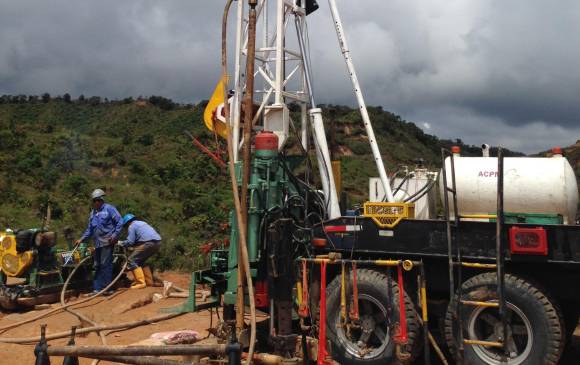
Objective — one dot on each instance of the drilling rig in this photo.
(503, 234)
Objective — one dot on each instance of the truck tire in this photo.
(571, 315)
(536, 334)
(380, 348)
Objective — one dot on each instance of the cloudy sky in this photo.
(500, 72)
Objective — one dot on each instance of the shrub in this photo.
(76, 185)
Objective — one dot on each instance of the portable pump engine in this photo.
(35, 267)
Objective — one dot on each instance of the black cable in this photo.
(420, 193)
(398, 187)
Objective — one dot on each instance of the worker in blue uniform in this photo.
(105, 225)
(146, 242)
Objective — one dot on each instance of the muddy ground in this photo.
(104, 310)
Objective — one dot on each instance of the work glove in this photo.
(113, 240)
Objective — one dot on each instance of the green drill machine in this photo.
(281, 207)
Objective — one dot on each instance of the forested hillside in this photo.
(58, 150)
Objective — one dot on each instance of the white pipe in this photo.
(324, 164)
(304, 126)
(237, 100)
(280, 18)
(264, 45)
(361, 103)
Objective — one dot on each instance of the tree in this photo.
(76, 185)
(95, 100)
(162, 103)
(45, 98)
(66, 97)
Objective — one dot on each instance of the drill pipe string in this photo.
(119, 326)
(237, 203)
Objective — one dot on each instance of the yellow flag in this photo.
(216, 99)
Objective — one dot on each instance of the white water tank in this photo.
(531, 185)
(415, 183)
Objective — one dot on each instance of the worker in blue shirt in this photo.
(146, 242)
(105, 225)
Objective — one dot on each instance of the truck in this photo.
(477, 261)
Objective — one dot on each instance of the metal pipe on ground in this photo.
(117, 350)
(265, 359)
(120, 326)
(140, 360)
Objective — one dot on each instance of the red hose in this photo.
(303, 309)
(354, 314)
(401, 337)
(322, 352)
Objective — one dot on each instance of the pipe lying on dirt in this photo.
(84, 351)
(140, 360)
(265, 359)
(119, 326)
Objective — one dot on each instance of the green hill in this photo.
(57, 150)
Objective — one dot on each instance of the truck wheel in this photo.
(570, 315)
(535, 327)
(372, 342)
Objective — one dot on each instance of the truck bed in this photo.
(427, 238)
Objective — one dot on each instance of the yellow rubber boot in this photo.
(148, 276)
(139, 279)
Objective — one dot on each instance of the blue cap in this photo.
(128, 218)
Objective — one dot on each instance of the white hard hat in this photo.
(97, 194)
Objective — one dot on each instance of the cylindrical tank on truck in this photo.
(541, 185)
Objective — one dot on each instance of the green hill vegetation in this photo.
(56, 150)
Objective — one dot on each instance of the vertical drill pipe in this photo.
(236, 100)
(425, 316)
(236, 198)
(248, 116)
(248, 112)
(499, 252)
(305, 62)
(248, 105)
(234, 353)
(280, 55)
(232, 158)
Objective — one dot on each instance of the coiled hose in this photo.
(65, 307)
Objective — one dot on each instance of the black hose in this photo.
(399, 186)
(421, 192)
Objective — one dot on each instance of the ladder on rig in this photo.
(456, 264)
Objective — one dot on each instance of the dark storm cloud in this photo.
(109, 48)
(484, 71)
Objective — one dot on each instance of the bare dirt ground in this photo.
(103, 311)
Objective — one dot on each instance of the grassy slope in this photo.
(60, 151)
